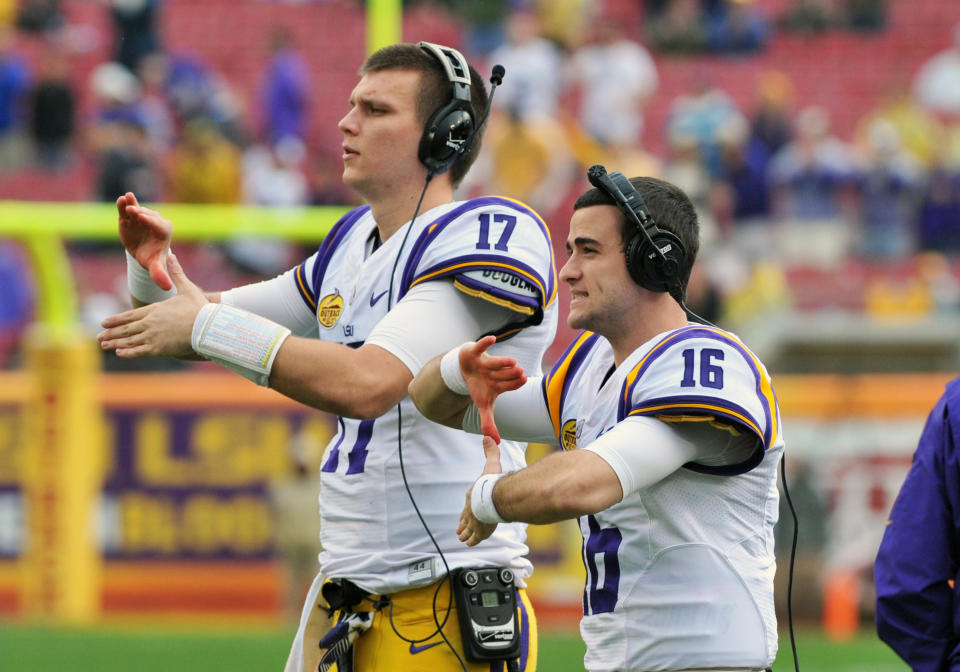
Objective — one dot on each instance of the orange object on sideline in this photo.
(841, 605)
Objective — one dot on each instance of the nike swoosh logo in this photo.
(377, 297)
(417, 649)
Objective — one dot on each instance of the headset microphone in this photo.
(496, 79)
(451, 129)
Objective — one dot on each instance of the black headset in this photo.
(655, 258)
(450, 128)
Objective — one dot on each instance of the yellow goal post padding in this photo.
(42, 226)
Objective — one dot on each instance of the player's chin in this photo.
(577, 320)
(350, 176)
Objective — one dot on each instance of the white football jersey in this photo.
(679, 575)
(492, 248)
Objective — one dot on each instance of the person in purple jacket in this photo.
(918, 607)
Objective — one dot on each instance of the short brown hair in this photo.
(435, 91)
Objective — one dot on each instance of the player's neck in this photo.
(394, 210)
(661, 314)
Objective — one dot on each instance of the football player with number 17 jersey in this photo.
(395, 283)
(488, 248)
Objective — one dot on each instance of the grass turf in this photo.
(26, 648)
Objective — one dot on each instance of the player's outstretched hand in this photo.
(146, 235)
(160, 329)
(470, 530)
(488, 376)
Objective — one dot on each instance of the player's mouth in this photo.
(348, 152)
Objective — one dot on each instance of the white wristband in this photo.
(451, 373)
(141, 286)
(238, 339)
(481, 499)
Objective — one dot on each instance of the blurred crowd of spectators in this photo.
(772, 181)
(161, 123)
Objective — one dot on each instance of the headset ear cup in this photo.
(674, 258)
(633, 255)
(648, 269)
(447, 130)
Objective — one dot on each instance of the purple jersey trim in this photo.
(457, 267)
(688, 333)
(328, 247)
(431, 232)
(720, 409)
(567, 366)
(300, 276)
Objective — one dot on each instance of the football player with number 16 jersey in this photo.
(671, 434)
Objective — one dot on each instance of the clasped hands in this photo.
(487, 376)
(160, 329)
(164, 329)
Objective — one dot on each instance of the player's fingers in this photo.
(125, 317)
(490, 449)
(488, 426)
(499, 361)
(160, 269)
(510, 384)
(149, 214)
(158, 273)
(153, 221)
(127, 330)
(135, 352)
(465, 531)
(179, 277)
(125, 343)
(484, 343)
(505, 373)
(492, 453)
(471, 354)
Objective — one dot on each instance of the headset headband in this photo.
(631, 203)
(655, 257)
(454, 64)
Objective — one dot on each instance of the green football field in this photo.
(246, 649)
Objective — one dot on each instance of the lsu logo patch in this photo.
(329, 309)
(568, 435)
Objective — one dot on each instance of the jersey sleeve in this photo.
(700, 374)
(409, 331)
(495, 249)
(277, 299)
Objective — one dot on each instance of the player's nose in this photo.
(348, 124)
(569, 271)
